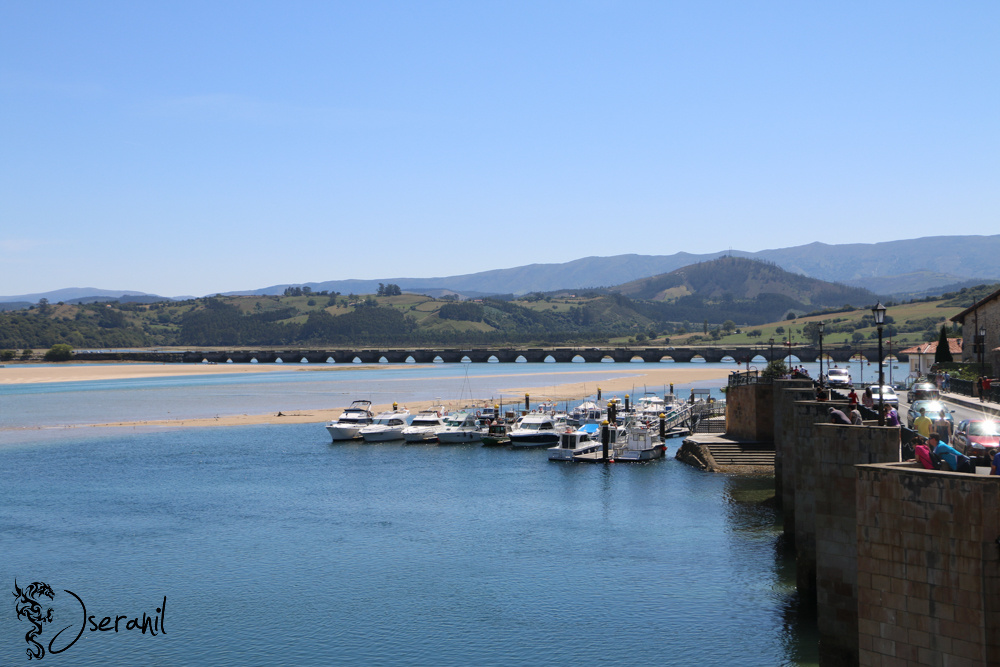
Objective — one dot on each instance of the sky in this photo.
(190, 148)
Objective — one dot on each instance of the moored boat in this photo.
(534, 430)
(351, 421)
(387, 426)
(460, 428)
(424, 427)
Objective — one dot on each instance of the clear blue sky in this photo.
(192, 148)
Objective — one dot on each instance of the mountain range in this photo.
(905, 268)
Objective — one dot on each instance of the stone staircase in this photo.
(730, 453)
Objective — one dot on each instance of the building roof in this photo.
(954, 345)
(960, 318)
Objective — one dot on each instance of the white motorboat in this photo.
(350, 421)
(639, 444)
(572, 443)
(424, 427)
(460, 428)
(386, 426)
(587, 412)
(535, 429)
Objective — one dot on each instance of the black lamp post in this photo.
(771, 342)
(821, 325)
(879, 312)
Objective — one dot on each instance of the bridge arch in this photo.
(578, 360)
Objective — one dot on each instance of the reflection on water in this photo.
(752, 512)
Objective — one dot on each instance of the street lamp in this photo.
(879, 312)
(771, 342)
(821, 325)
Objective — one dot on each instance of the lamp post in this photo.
(879, 312)
(821, 325)
(771, 342)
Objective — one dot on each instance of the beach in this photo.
(620, 378)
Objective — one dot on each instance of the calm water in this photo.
(274, 546)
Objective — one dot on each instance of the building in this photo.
(981, 327)
(922, 356)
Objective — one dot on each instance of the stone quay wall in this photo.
(928, 571)
(831, 473)
(786, 394)
(749, 412)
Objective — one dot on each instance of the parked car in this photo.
(934, 410)
(839, 377)
(889, 396)
(978, 439)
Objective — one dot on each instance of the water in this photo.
(274, 546)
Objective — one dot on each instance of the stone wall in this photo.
(986, 315)
(805, 417)
(786, 394)
(928, 570)
(836, 450)
(749, 412)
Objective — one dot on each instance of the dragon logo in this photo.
(27, 606)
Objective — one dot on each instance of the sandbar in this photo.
(624, 378)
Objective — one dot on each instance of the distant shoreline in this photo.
(620, 379)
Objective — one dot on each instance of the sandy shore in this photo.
(620, 379)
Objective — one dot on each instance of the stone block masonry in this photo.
(831, 471)
(928, 567)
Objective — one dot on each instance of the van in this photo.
(839, 377)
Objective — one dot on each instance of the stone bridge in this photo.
(741, 354)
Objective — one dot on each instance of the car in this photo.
(978, 439)
(923, 391)
(839, 377)
(934, 410)
(889, 396)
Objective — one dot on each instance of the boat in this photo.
(386, 426)
(460, 428)
(424, 427)
(351, 420)
(639, 444)
(497, 434)
(586, 412)
(572, 443)
(535, 429)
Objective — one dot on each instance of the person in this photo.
(942, 426)
(979, 388)
(820, 393)
(891, 416)
(867, 399)
(923, 454)
(923, 423)
(947, 381)
(987, 383)
(995, 464)
(856, 417)
(956, 460)
(852, 398)
(838, 416)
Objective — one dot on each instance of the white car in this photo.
(839, 377)
(889, 396)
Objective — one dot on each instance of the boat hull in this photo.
(341, 432)
(534, 440)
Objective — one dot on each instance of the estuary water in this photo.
(272, 546)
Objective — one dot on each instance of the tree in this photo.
(59, 352)
(811, 331)
(943, 353)
(729, 326)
